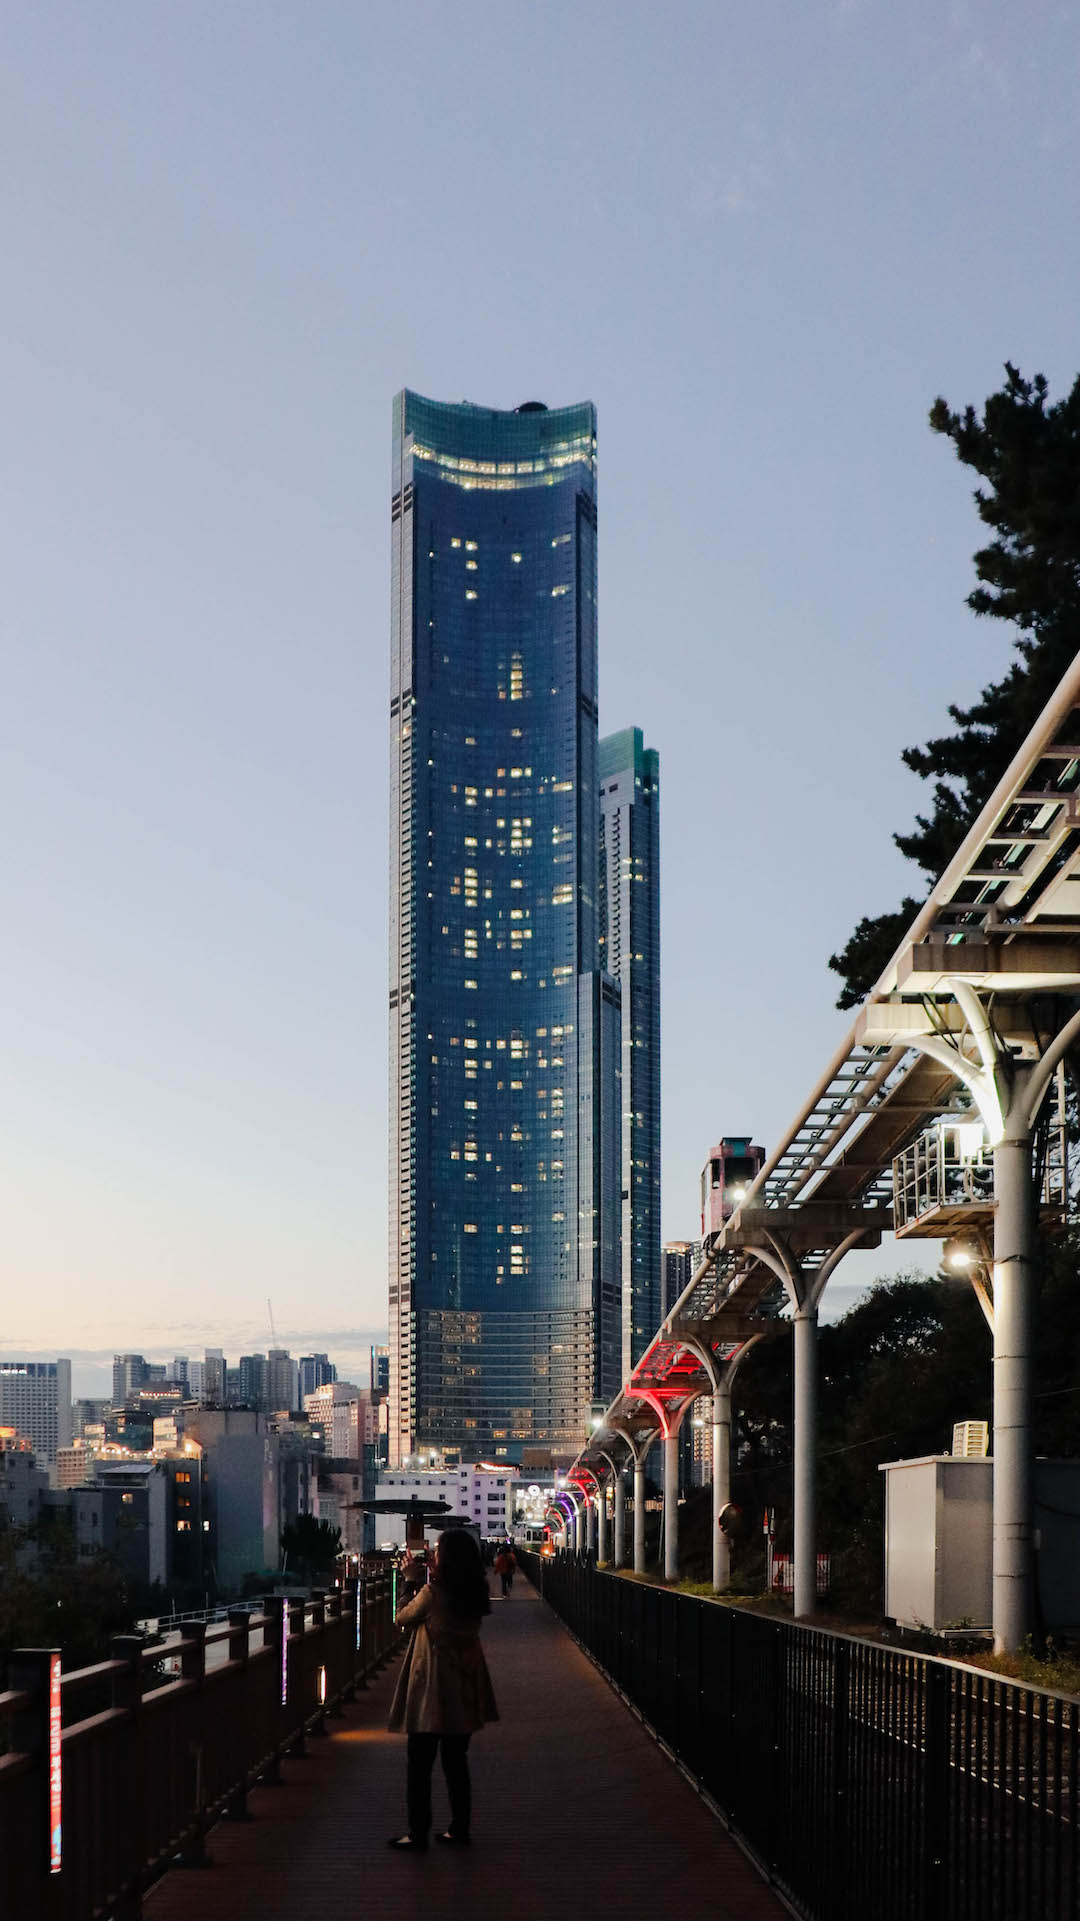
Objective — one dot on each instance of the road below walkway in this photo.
(575, 1811)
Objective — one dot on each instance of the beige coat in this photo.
(444, 1686)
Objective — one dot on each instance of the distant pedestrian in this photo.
(444, 1694)
(505, 1563)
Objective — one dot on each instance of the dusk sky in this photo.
(761, 239)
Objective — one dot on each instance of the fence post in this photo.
(193, 1668)
(239, 1651)
(838, 1867)
(357, 1602)
(318, 1625)
(294, 1614)
(276, 1635)
(936, 1792)
(35, 1733)
(126, 1694)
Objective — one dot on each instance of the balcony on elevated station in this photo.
(943, 1183)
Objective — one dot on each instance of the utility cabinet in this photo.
(939, 1542)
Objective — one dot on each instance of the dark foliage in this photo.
(895, 1373)
(51, 1596)
(1027, 452)
(310, 1547)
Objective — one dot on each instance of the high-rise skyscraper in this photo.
(630, 951)
(505, 1266)
(129, 1374)
(316, 1370)
(35, 1400)
(680, 1263)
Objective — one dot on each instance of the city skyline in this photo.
(763, 250)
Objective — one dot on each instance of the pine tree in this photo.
(1028, 454)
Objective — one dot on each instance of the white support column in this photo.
(577, 1529)
(639, 1515)
(671, 1506)
(805, 1452)
(601, 1523)
(620, 1519)
(590, 1523)
(1014, 1282)
(721, 1482)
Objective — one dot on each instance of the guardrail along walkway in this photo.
(542, 1836)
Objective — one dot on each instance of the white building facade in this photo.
(482, 1494)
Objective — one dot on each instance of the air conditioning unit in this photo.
(970, 1440)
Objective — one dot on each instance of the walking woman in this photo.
(444, 1691)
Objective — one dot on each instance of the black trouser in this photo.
(455, 1763)
(507, 1583)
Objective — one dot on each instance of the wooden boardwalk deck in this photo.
(574, 1809)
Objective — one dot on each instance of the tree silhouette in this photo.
(1027, 452)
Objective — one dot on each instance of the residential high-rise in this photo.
(316, 1370)
(630, 951)
(129, 1373)
(35, 1400)
(504, 1269)
(282, 1381)
(681, 1260)
(254, 1382)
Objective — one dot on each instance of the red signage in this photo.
(55, 1769)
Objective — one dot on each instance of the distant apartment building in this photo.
(126, 1512)
(282, 1382)
(35, 1401)
(254, 1383)
(129, 1373)
(347, 1416)
(681, 1258)
(239, 1454)
(483, 1495)
(341, 1485)
(22, 1482)
(629, 774)
(87, 1413)
(316, 1370)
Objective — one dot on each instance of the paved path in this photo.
(574, 1807)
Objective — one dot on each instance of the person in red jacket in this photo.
(505, 1563)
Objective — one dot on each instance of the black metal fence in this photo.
(109, 1774)
(868, 1781)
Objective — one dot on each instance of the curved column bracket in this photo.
(638, 1449)
(708, 1361)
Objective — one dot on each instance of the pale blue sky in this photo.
(762, 239)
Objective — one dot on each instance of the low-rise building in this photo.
(347, 1415)
(483, 1494)
(22, 1481)
(126, 1512)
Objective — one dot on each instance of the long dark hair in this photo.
(459, 1573)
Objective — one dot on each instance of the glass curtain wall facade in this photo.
(629, 774)
(504, 1272)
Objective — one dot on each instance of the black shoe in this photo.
(406, 1844)
(454, 1840)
